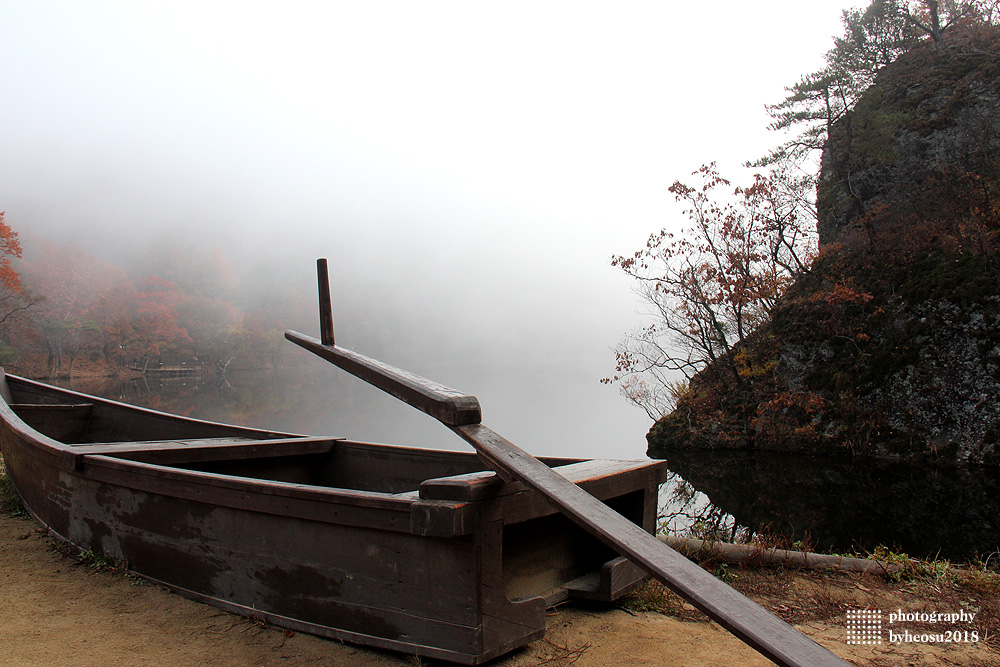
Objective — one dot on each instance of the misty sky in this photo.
(468, 167)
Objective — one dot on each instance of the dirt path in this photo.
(56, 611)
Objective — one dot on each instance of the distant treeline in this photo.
(70, 312)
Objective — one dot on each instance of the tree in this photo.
(156, 320)
(10, 247)
(116, 312)
(69, 281)
(15, 300)
(935, 18)
(15, 316)
(712, 286)
(211, 323)
(872, 38)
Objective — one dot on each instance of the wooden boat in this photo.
(420, 551)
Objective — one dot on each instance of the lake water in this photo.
(832, 505)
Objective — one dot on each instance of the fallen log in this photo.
(755, 554)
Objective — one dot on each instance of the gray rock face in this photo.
(928, 116)
(948, 395)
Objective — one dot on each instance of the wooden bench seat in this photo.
(193, 450)
(65, 422)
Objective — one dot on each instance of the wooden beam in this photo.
(754, 554)
(449, 406)
(746, 619)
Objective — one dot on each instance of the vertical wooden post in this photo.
(325, 306)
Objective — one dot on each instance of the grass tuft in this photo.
(10, 500)
(92, 559)
(653, 596)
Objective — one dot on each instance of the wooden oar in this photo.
(746, 619)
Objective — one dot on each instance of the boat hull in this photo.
(415, 550)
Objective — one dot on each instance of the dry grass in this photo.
(10, 501)
(800, 597)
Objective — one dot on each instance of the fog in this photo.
(468, 168)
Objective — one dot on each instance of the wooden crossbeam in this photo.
(753, 624)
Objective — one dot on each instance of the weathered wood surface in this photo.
(615, 578)
(480, 485)
(325, 305)
(64, 422)
(747, 620)
(166, 452)
(448, 406)
(112, 421)
(754, 554)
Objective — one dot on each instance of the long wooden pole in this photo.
(743, 617)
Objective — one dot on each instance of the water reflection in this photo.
(836, 505)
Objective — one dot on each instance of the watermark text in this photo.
(873, 626)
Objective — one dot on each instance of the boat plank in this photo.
(66, 422)
(138, 445)
(5, 394)
(487, 484)
(208, 449)
(271, 497)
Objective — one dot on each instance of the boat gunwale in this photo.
(130, 473)
(228, 490)
(89, 398)
(274, 496)
(446, 503)
(265, 438)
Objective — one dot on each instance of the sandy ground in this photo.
(57, 611)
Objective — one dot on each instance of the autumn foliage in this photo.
(9, 247)
(85, 311)
(712, 285)
(873, 332)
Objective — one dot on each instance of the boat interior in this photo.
(85, 426)
(101, 427)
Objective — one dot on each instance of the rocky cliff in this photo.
(890, 346)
